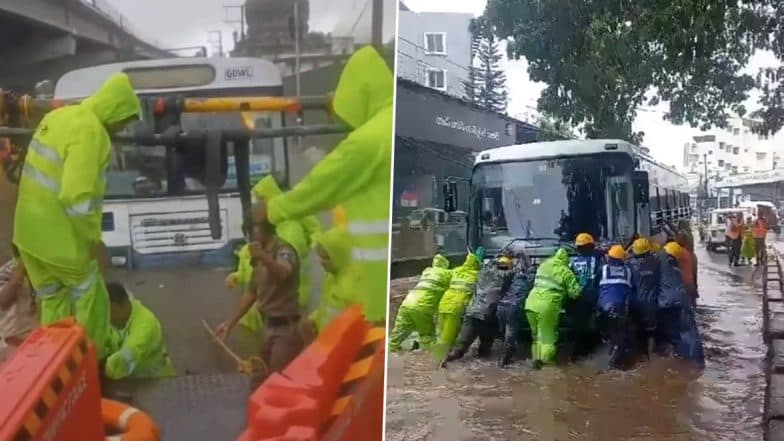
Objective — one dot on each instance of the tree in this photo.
(486, 83)
(602, 60)
(552, 129)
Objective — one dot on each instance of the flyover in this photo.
(42, 39)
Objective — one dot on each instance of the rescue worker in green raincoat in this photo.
(553, 282)
(297, 233)
(356, 175)
(454, 302)
(338, 290)
(240, 278)
(418, 310)
(57, 224)
(138, 348)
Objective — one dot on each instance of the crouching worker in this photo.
(137, 347)
(338, 290)
(18, 312)
(615, 291)
(418, 310)
(480, 318)
(454, 302)
(510, 310)
(553, 282)
(646, 276)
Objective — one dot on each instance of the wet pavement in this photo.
(660, 400)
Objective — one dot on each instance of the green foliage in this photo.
(551, 129)
(602, 60)
(486, 84)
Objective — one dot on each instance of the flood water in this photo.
(660, 400)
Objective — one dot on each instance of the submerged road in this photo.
(474, 400)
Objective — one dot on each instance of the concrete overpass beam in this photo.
(39, 50)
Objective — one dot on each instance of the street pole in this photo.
(297, 64)
(377, 25)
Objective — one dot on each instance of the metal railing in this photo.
(105, 8)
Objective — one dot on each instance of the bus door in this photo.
(619, 198)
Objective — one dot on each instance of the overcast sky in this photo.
(180, 23)
(664, 139)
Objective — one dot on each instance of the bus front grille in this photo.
(176, 232)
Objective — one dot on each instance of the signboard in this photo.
(446, 120)
(765, 177)
(260, 166)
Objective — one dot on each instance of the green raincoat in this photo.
(418, 310)
(138, 350)
(252, 319)
(455, 300)
(339, 290)
(356, 175)
(554, 281)
(297, 233)
(57, 223)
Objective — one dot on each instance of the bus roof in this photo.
(571, 147)
(174, 74)
(553, 149)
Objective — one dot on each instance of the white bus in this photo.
(155, 210)
(543, 194)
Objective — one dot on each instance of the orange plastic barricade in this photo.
(334, 390)
(51, 389)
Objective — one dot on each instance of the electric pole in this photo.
(377, 25)
(235, 21)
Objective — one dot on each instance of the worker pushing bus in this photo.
(638, 304)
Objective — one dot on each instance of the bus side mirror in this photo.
(640, 184)
(450, 196)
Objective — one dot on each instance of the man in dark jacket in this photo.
(480, 316)
(646, 277)
(615, 293)
(587, 266)
(510, 310)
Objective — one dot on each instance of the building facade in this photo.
(731, 151)
(434, 49)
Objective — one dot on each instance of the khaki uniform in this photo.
(18, 321)
(278, 302)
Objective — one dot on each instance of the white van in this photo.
(715, 237)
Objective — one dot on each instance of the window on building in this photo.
(436, 78)
(746, 169)
(721, 163)
(736, 131)
(736, 150)
(721, 146)
(710, 152)
(435, 43)
(694, 147)
(761, 156)
(727, 166)
(734, 169)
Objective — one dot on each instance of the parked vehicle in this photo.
(715, 236)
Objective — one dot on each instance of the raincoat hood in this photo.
(115, 101)
(440, 261)
(366, 86)
(472, 262)
(337, 244)
(267, 188)
(562, 256)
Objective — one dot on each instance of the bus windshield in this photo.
(141, 171)
(551, 201)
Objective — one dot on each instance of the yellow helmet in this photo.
(673, 249)
(655, 246)
(641, 246)
(583, 239)
(504, 261)
(617, 252)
